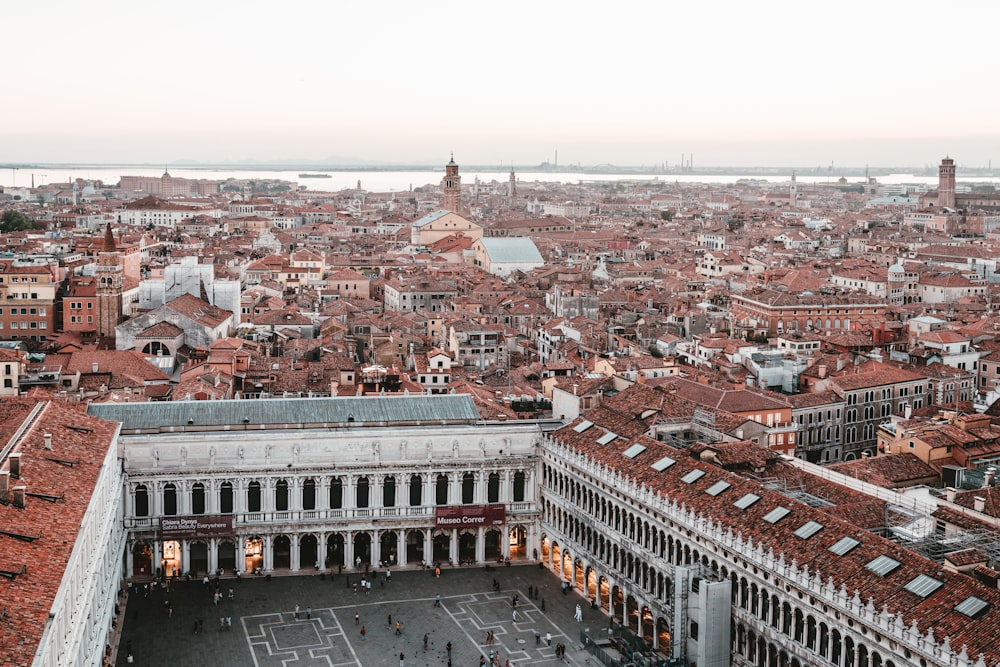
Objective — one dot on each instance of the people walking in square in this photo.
(578, 615)
(363, 633)
(399, 628)
(426, 638)
(437, 600)
(402, 659)
(357, 618)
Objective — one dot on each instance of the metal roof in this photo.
(511, 249)
(341, 411)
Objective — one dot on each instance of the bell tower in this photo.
(451, 186)
(946, 183)
(109, 275)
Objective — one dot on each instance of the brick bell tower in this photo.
(110, 279)
(451, 186)
(946, 183)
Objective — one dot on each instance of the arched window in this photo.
(336, 493)
(141, 500)
(198, 498)
(493, 488)
(518, 487)
(389, 492)
(253, 497)
(468, 488)
(226, 498)
(281, 496)
(361, 492)
(441, 490)
(309, 494)
(416, 491)
(170, 500)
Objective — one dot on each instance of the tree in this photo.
(15, 221)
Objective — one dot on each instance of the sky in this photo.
(723, 83)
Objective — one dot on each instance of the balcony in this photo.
(45, 374)
(311, 517)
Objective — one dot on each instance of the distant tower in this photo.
(109, 286)
(511, 185)
(451, 185)
(793, 192)
(946, 183)
(166, 184)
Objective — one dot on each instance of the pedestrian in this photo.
(578, 615)
(548, 638)
(388, 623)
(447, 648)
(426, 637)
(437, 600)
(437, 572)
(230, 593)
(296, 611)
(222, 623)
(543, 604)
(388, 575)
(309, 612)
(538, 637)
(399, 628)
(357, 562)
(402, 659)
(357, 618)
(363, 633)
(229, 622)
(529, 592)
(515, 616)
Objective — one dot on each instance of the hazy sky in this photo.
(883, 83)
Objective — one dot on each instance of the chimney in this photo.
(48, 440)
(908, 411)
(4, 487)
(978, 503)
(19, 495)
(93, 367)
(821, 371)
(950, 493)
(15, 465)
(989, 477)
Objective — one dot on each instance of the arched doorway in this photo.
(556, 560)
(415, 546)
(142, 559)
(198, 553)
(604, 598)
(227, 555)
(309, 552)
(442, 547)
(281, 549)
(546, 547)
(362, 550)
(518, 543)
(387, 549)
(467, 547)
(663, 635)
(335, 550)
(253, 554)
(491, 547)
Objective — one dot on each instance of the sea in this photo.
(405, 181)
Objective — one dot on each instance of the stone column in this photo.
(349, 548)
(428, 545)
(321, 550)
(401, 548)
(295, 562)
(185, 557)
(453, 546)
(213, 555)
(267, 553)
(241, 553)
(480, 545)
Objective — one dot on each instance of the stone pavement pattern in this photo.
(266, 633)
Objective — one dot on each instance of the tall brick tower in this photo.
(109, 276)
(946, 183)
(451, 185)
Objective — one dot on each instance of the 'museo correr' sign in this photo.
(183, 527)
(459, 516)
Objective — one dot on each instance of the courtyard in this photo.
(312, 619)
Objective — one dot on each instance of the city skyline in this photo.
(732, 86)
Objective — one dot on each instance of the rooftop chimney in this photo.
(19, 496)
(93, 367)
(989, 477)
(4, 487)
(48, 441)
(978, 503)
(950, 493)
(15, 465)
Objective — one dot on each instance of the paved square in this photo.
(266, 631)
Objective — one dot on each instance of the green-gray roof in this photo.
(255, 413)
(515, 249)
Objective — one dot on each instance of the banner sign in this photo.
(458, 516)
(186, 527)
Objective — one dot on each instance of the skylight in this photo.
(717, 488)
(808, 529)
(693, 476)
(924, 585)
(844, 545)
(663, 464)
(583, 426)
(883, 565)
(777, 514)
(634, 451)
(972, 606)
(606, 438)
(746, 501)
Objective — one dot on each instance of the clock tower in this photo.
(451, 186)
(110, 279)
